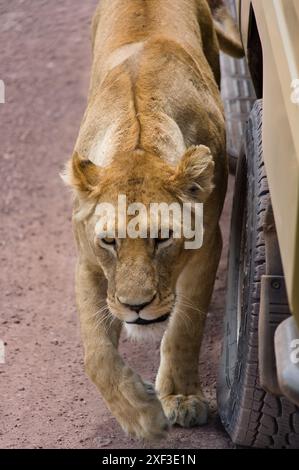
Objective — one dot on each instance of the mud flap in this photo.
(287, 359)
(274, 309)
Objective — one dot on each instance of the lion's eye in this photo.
(108, 241)
(160, 239)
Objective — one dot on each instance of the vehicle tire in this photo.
(251, 416)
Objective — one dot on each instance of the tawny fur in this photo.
(153, 130)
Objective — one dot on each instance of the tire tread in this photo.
(255, 417)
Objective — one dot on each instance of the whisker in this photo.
(184, 299)
(187, 320)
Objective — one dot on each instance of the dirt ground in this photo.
(46, 399)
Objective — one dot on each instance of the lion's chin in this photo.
(153, 332)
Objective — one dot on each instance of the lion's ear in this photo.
(81, 174)
(193, 178)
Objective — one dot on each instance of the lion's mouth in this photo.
(142, 321)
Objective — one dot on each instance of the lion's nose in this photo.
(136, 307)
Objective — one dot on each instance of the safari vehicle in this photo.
(258, 384)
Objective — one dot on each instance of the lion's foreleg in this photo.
(133, 402)
(178, 381)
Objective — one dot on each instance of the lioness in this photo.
(154, 131)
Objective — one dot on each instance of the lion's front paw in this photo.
(187, 411)
(149, 424)
(140, 412)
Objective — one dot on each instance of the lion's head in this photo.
(141, 273)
